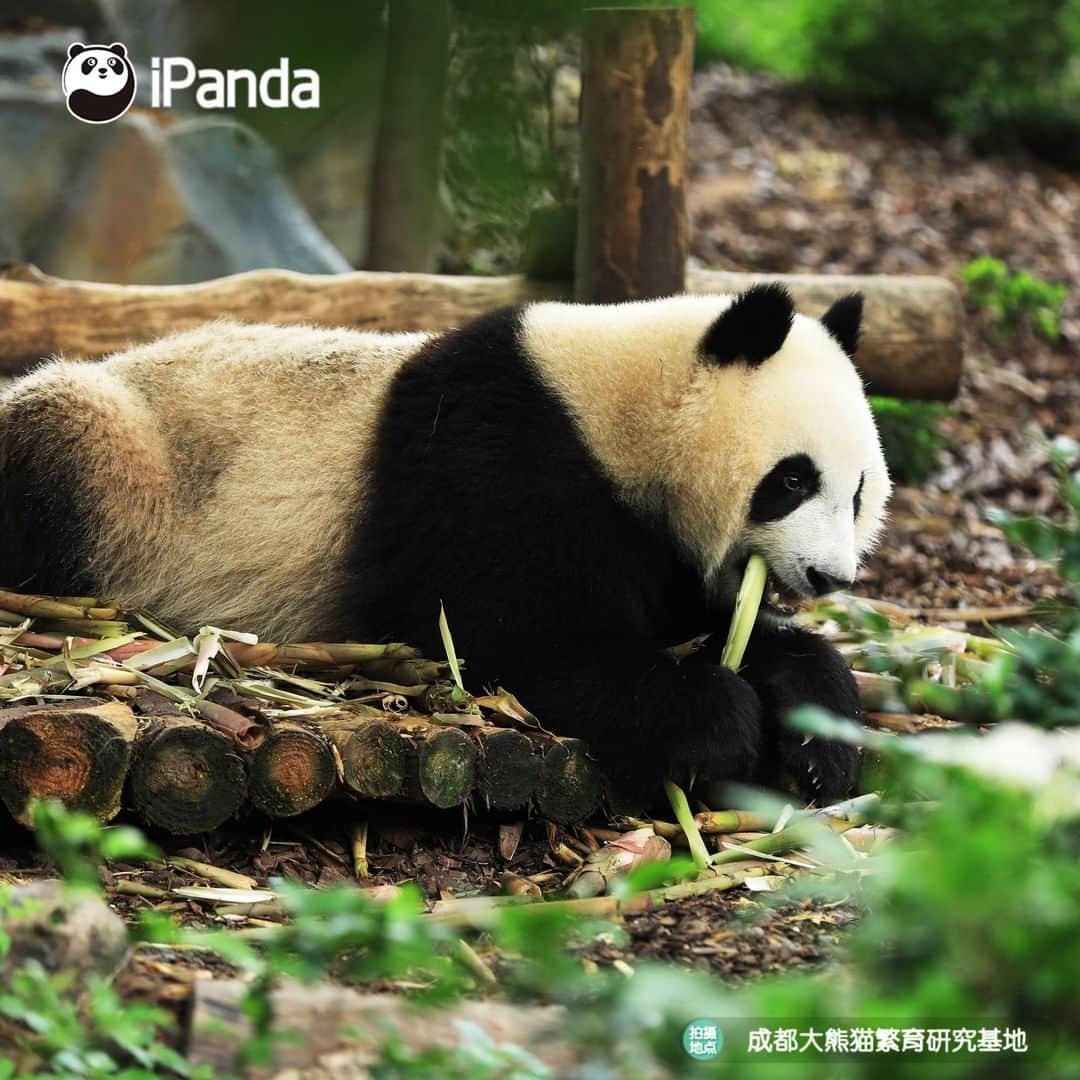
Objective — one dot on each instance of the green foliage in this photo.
(997, 71)
(86, 1030)
(1016, 299)
(78, 843)
(911, 436)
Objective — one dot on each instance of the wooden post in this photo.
(408, 155)
(632, 233)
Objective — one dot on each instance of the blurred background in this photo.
(835, 136)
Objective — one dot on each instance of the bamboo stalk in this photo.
(359, 850)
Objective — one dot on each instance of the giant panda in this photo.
(579, 486)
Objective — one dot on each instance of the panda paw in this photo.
(724, 743)
(822, 770)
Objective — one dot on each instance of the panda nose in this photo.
(823, 583)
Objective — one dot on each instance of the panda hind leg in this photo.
(80, 465)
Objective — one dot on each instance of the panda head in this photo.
(819, 479)
(741, 424)
(99, 82)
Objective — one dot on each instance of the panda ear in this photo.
(118, 48)
(752, 329)
(843, 320)
(75, 48)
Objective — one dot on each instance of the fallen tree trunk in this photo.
(910, 347)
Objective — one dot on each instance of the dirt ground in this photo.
(782, 183)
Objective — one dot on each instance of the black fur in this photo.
(486, 498)
(43, 520)
(786, 486)
(843, 320)
(752, 329)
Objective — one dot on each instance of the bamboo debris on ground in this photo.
(615, 858)
(277, 726)
(283, 725)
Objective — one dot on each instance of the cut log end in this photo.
(570, 788)
(374, 758)
(509, 769)
(293, 771)
(447, 767)
(77, 754)
(187, 777)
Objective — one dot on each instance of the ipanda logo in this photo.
(98, 81)
(99, 84)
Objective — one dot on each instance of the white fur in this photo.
(226, 465)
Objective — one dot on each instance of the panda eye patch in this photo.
(88, 65)
(114, 64)
(787, 485)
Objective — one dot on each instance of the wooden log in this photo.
(187, 777)
(374, 753)
(569, 787)
(912, 337)
(404, 232)
(293, 770)
(442, 766)
(509, 768)
(75, 752)
(633, 232)
(910, 347)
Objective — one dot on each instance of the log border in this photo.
(911, 345)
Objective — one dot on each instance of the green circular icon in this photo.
(702, 1039)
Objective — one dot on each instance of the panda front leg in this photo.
(790, 666)
(646, 718)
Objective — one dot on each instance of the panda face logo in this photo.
(98, 81)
